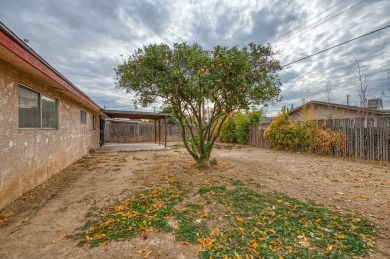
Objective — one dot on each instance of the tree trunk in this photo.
(203, 162)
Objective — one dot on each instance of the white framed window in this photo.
(83, 116)
(36, 110)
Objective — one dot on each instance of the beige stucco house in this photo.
(316, 110)
(46, 123)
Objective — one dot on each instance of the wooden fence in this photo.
(131, 133)
(365, 138)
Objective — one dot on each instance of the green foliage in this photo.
(171, 120)
(241, 121)
(228, 132)
(236, 128)
(255, 116)
(187, 78)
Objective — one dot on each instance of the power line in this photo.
(338, 45)
(311, 28)
(288, 32)
(262, 28)
(372, 72)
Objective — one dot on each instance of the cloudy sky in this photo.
(84, 40)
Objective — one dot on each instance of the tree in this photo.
(328, 89)
(364, 82)
(186, 77)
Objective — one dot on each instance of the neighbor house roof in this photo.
(339, 106)
(13, 49)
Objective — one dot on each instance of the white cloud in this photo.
(86, 38)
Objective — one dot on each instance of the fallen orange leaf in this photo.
(147, 254)
(141, 251)
(201, 241)
(341, 236)
(238, 218)
(290, 249)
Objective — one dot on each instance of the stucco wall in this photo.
(31, 156)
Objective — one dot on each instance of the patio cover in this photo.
(142, 115)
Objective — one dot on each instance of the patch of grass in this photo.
(84, 161)
(190, 230)
(211, 188)
(190, 224)
(145, 212)
(248, 224)
(271, 225)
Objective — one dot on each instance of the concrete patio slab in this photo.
(118, 147)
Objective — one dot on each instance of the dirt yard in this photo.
(45, 219)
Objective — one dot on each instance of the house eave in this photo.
(339, 106)
(17, 47)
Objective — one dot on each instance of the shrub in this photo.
(228, 132)
(241, 121)
(280, 133)
(236, 128)
(305, 136)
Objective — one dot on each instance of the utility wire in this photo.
(338, 45)
(311, 28)
(262, 28)
(288, 32)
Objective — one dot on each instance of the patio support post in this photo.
(155, 131)
(165, 126)
(159, 132)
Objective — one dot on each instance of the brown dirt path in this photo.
(45, 216)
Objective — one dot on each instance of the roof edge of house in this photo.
(355, 108)
(27, 48)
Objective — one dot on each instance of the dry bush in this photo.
(304, 136)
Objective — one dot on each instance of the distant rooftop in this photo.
(343, 106)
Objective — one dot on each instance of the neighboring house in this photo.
(266, 120)
(316, 110)
(46, 123)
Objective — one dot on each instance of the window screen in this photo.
(36, 110)
(49, 112)
(29, 110)
(83, 117)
